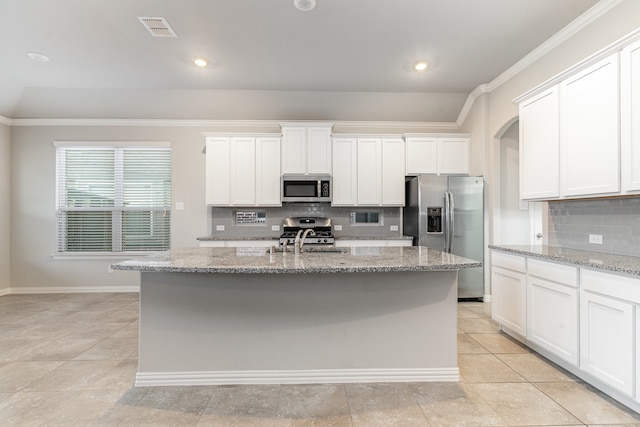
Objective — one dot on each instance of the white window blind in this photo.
(113, 199)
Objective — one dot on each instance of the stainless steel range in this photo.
(317, 231)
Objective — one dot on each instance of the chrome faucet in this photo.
(304, 236)
(296, 243)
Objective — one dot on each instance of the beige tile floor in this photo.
(70, 360)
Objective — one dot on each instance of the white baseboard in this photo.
(321, 376)
(5, 291)
(70, 289)
(486, 298)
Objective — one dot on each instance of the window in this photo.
(113, 198)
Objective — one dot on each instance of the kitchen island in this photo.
(245, 316)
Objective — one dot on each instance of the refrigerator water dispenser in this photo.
(434, 220)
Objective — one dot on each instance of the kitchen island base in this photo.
(250, 328)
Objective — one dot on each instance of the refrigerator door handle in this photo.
(446, 221)
(452, 224)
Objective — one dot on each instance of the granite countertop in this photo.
(225, 238)
(258, 260)
(596, 260)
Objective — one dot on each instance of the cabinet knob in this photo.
(539, 236)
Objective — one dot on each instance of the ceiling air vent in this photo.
(157, 26)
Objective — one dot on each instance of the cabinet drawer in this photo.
(612, 285)
(565, 274)
(510, 262)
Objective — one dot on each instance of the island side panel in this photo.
(192, 322)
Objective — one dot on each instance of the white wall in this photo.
(5, 203)
(33, 204)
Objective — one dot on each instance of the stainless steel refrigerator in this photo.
(446, 213)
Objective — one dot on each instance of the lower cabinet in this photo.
(608, 328)
(586, 320)
(509, 291)
(552, 308)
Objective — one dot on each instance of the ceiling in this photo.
(104, 62)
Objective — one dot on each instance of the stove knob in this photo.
(325, 240)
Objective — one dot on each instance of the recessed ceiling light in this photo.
(304, 5)
(420, 66)
(38, 56)
(200, 62)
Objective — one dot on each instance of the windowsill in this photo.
(101, 255)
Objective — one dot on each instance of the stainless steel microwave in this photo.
(306, 188)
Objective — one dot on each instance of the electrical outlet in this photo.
(393, 227)
(595, 238)
(179, 206)
(219, 227)
(275, 228)
(337, 227)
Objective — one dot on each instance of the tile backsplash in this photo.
(616, 219)
(241, 222)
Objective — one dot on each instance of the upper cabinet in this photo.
(540, 146)
(630, 132)
(306, 149)
(437, 154)
(590, 130)
(368, 171)
(243, 171)
(580, 130)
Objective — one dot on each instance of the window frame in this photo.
(118, 208)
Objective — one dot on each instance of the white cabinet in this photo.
(570, 134)
(393, 173)
(590, 136)
(437, 154)
(345, 167)
(630, 118)
(540, 146)
(306, 149)
(552, 308)
(243, 171)
(509, 291)
(368, 171)
(607, 328)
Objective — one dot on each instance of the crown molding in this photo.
(595, 12)
(5, 121)
(344, 126)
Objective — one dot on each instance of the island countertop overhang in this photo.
(259, 261)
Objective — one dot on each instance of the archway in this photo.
(514, 222)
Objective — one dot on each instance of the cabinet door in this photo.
(606, 340)
(552, 317)
(422, 155)
(243, 171)
(630, 120)
(590, 139)
(318, 150)
(540, 146)
(344, 172)
(453, 156)
(294, 151)
(268, 172)
(369, 172)
(217, 182)
(509, 299)
(393, 172)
